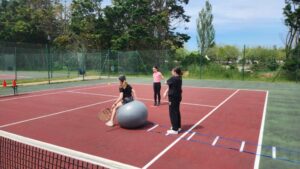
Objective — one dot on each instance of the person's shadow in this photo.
(188, 126)
(145, 127)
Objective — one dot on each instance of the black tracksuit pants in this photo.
(156, 88)
(174, 111)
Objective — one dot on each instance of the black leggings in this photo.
(174, 112)
(156, 88)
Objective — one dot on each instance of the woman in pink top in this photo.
(157, 77)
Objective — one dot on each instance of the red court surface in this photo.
(10, 76)
(216, 123)
(6, 76)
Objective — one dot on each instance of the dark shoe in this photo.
(158, 104)
(155, 103)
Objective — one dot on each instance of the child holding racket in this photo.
(157, 77)
(127, 94)
(174, 92)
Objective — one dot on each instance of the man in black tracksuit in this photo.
(174, 92)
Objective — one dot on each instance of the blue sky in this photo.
(238, 22)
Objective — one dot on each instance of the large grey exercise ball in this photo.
(132, 115)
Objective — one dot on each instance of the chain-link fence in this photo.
(34, 63)
(247, 63)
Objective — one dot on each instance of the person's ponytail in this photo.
(178, 71)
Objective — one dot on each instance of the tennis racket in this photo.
(105, 114)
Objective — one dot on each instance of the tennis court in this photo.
(221, 127)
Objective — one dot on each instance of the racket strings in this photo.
(105, 114)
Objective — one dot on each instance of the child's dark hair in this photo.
(122, 78)
(178, 71)
(156, 67)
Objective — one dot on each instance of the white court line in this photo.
(187, 132)
(45, 94)
(107, 163)
(261, 133)
(107, 95)
(242, 146)
(191, 136)
(274, 152)
(90, 88)
(54, 114)
(219, 88)
(215, 141)
(45, 90)
(25, 97)
(152, 128)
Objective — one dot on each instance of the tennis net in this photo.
(18, 152)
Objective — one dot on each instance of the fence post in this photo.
(16, 74)
(200, 66)
(100, 63)
(83, 65)
(297, 71)
(298, 62)
(244, 57)
(48, 61)
(118, 62)
(108, 73)
(51, 61)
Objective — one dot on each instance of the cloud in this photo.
(240, 17)
(237, 21)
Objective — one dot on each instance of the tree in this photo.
(205, 29)
(143, 24)
(212, 53)
(229, 54)
(87, 24)
(291, 12)
(292, 20)
(130, 23)
(126, 25)
(28, 21)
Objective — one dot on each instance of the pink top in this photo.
(157, 77)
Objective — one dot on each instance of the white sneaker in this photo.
(172, 132)
(179, 129)
(109, 123)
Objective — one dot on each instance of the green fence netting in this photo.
(35, 63)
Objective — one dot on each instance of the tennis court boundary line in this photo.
(67, 152)
(261, 133)
(61, 88)
(138, 98)
(46, 94)
(188, 131)
(57, 113)
(218, 88)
